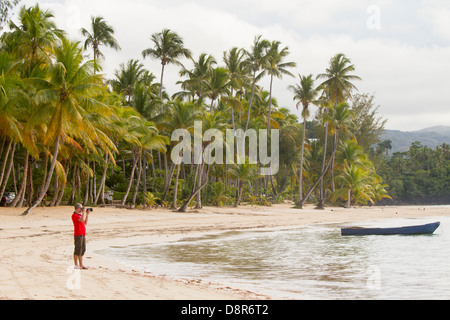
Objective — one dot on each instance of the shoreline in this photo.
(36, 251)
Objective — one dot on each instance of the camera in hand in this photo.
(90, 209)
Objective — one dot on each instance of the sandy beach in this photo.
(36, 251)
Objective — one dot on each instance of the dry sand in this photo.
(36, 251)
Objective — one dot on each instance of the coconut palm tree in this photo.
(127, 77)
(338, 80)
(338, 86)
(181, 116)
(100, 34)
(194, 85)
(35, 38)
(216, 84)
(306, 94)
(255, 62)
(276, 67)
(168, 47)
(64, 101)
(236, 68)
(354, 180)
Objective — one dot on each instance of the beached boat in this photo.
(412, 230)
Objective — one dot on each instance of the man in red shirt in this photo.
(80, 220)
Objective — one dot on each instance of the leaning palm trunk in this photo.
(8, 171)
(101, 190)
(5, 161)
(63, 188)
(49, 179)
(197, 190)
(167, 182)
(324, 172)
(133, 169)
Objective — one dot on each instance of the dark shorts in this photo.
(80, 245)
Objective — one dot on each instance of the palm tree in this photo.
(339, 118)
(354, 180)
(197, 77)
(127, 77)
(168, 48)
(338, 80)
(216, 84)
(235, 65)
(35, 39)
(277, 68)
(306, 94)
(255, 62)
(101, 34)
(181, 116)
(64, 101)
(338, 87)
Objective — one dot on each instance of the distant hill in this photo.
(430, 137)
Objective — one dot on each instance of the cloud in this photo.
(438, 17)
(398, 64)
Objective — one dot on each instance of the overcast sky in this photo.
(401, 48)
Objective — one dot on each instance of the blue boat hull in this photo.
(413, 230)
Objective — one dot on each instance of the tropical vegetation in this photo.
(69, 134)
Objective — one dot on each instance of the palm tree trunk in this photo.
(175, 189)
(251, 101)
(133, 169)
(8, 171)
(198, 197)
(74, 186)
(349, 200)
(300, 187)
(333, 156)
(49, 179)
(45, 170)
(270, 105)
(161, 86)
(86, 195)
(30, 185)
(144, 173)
(239, 195)
(21, 193)
(5, 161)
(94, 182)
(167, 181)
(3, 145)
(63, 187)
(101, 190)
(138, 182)
(320, 205)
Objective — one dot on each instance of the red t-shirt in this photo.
(80, 227)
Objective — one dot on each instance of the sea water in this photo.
(313, 262)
